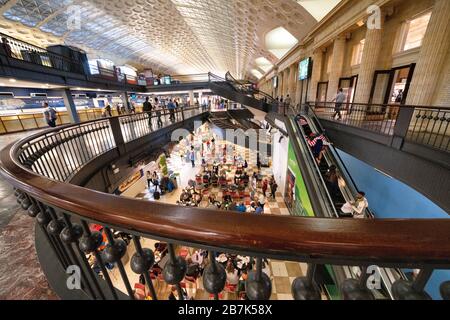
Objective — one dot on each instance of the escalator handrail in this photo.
(316, 168)
(323, 131)
(212, 76)
(243, 89)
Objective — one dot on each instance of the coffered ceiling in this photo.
(171, 36)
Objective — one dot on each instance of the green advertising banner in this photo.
(296, 195)
(299, 204)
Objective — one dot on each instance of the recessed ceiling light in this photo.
(12, 80)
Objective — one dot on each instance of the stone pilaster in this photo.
(292, 81)
(337, 64)
(371, 53)
(316, 74)
(433, 53)
(286, 83)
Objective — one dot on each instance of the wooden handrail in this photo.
(337, 241)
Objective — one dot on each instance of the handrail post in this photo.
(117, 134)
(402, 126)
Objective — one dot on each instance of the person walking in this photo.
(192, 158)
(158, 109)
(264, 187)
(147, 108)
(273, 189)
(171, 106)
(340, 98)
(287, 102)
(50, 115)
(108, 111)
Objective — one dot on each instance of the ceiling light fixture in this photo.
(12, 80)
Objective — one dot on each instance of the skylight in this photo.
(256, 73)
(279, 41)
(318, 8)
(263, 64)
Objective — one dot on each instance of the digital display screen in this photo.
(167, 80)
(304, 67)
(101, 103)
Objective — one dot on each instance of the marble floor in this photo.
(20, 274)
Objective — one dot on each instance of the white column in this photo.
(70, 106)
(191, 98)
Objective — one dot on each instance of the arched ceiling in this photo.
(171, 36)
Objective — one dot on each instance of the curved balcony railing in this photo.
(63, 212)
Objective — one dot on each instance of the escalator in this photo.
(322, 204)
(346, 193)
(233, 90)
(224, 120)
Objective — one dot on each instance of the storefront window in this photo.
(415, 31)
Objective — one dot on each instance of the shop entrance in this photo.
(349, 87)
(392, 86)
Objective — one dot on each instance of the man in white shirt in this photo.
(360, 206)
(50, 115)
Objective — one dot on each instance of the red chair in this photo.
(211, 296)
(139, 291)
(231, 288)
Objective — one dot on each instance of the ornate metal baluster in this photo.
(214, 276)
(407, 290)
(89, 243)
(445, 290)
(54, 228)
(356, 289)
(71, 234)
(141, 263)
(305, 288)
(114, 252)
(175, 270)
(258, 285)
